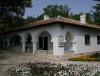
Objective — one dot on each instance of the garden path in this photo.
(9, 59)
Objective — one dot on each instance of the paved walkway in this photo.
(9, 59)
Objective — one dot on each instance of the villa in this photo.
(56, 36)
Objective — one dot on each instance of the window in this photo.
(98, 40)
(87, 39)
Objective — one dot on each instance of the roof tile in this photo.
(55, 19)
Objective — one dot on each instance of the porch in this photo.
(43, 44)
(49, 55)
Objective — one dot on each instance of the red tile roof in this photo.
(54, 20)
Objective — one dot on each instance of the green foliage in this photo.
(62, 10)
(97, 74)
(29, 19)
(96, 55)
(40, 17)
(11, 12)
(93, 57)
(89, 17)
(56, 10)
(76, 17)
(96, 14)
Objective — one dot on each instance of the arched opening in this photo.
(44, 41)
(15, 43)
(68, 44)
(28, 43)
(15, 40)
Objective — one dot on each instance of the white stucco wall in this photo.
(82, 48)
(78, 38)
(77, 34)
(53, 30)
(74, 34)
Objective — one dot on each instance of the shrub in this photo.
(93, 57)
(96, 55)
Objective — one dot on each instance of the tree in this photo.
(96, 14)
(76, 16)
(89, 18)
(11, 12)
(56, 10)
(29, 19)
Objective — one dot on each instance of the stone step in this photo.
(49, 55)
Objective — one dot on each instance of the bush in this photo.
(96, 55)
(93, 57)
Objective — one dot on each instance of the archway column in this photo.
(34, 45)
(74, 46)
(57, 50)
(23, 45)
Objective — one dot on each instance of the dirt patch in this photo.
(3, 57)
(4, 70)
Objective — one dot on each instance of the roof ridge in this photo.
(80, 22)
(53, 20)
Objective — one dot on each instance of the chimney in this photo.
(46, 17)
(83, 18)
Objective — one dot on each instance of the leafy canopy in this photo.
(11, 11)
(96, 14)
(56, 10)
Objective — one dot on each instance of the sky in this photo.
(76, 6)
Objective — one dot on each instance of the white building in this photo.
(55, 35)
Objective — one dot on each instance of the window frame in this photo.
(87, 39)
(98, 41)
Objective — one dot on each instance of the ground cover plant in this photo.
(92, 57)
(54, 69)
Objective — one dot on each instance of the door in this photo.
(41, 42)
(45, 43)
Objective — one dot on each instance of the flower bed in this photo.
(93, 57)
(85, 58)
(54, 69)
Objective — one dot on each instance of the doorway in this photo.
(43, 43)
(28, 43)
